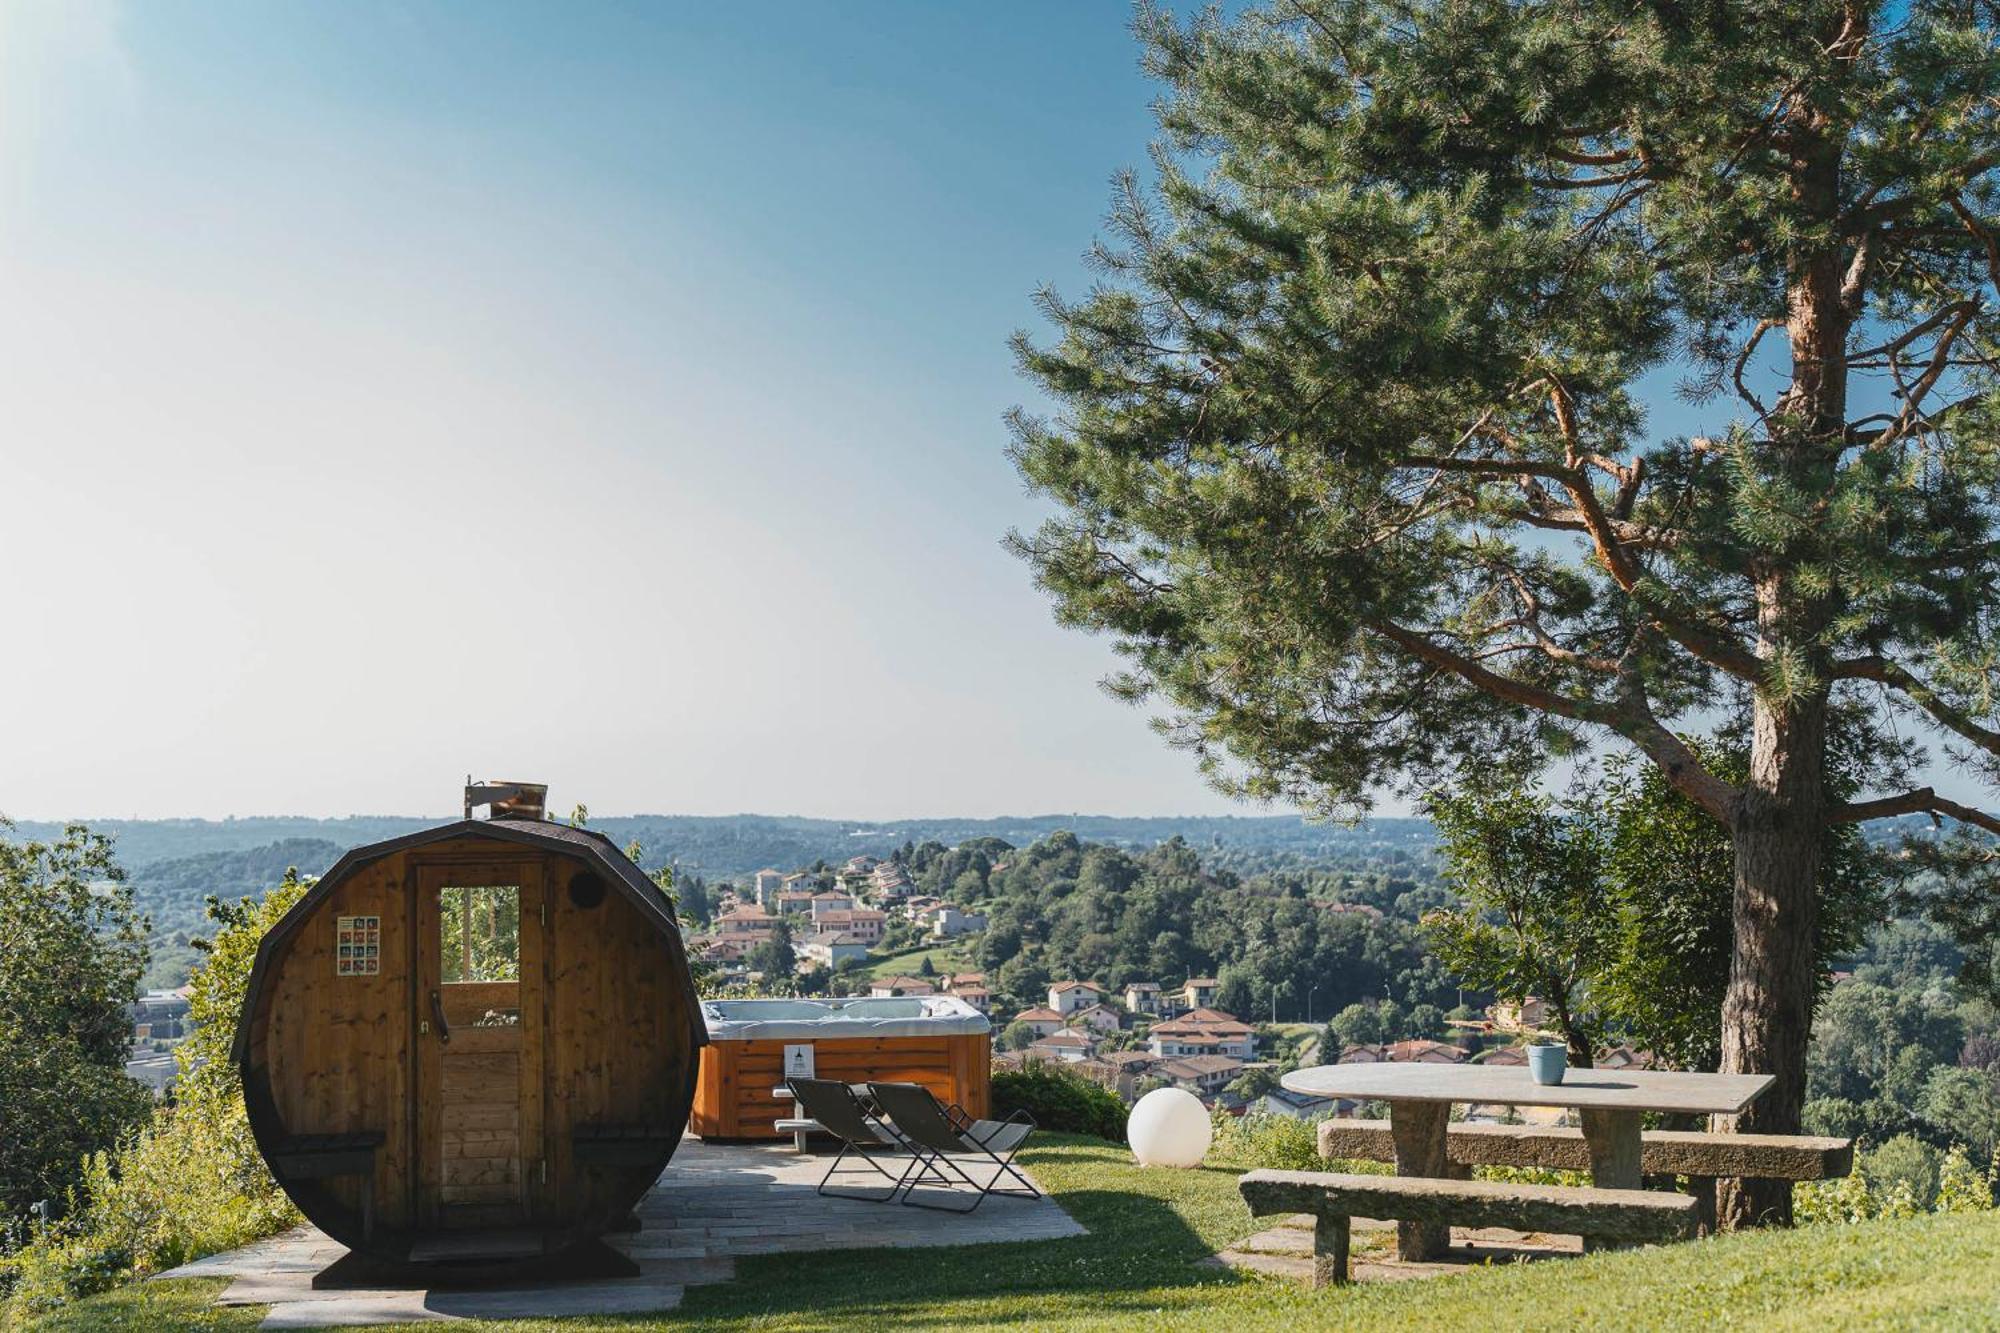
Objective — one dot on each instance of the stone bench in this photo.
(1662, 1152)
(1701, 1157)
(1615, 1216)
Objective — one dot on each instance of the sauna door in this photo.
(478, 1047)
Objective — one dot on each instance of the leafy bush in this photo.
(191, 1182)
(1902, 1178)
(1277, 1142)
(1258, 1140)
(1059, 1100)
(72, 949)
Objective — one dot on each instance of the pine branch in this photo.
(1922, 801)
(1877, 668)
(1630, 716)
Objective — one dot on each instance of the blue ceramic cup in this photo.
(1547, 1063)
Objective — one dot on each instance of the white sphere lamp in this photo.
(1169, 1127)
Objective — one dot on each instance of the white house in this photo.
(977, 996)
(864, 923)
(947, 921)
(1065, 1046)
(1199, 992)
(830, 901)
(1143, 997)
(1204, 1032)
(1066, 997)
(1041, 1021)
(831, 948)
(1099, 1018)
(1202, 1075)
(746, 921)
(765, 886)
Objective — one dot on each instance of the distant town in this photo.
(834, 923)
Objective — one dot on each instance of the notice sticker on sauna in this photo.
(358, 946)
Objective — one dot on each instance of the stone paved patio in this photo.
(714, 1205)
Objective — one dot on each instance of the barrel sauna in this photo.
(477, 1043)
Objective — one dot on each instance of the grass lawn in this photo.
(1138, 1268)
(944, 958)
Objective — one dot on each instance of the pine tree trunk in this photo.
(1767, 1013)
(1768, 1009)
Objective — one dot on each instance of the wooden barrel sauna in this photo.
(474, 1043)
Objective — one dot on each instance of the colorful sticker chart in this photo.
(358, 946)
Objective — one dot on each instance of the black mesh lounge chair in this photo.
(950, 1146)
(840, 1113)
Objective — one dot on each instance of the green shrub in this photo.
(1901, 1178)
(1533, 1175)
(58, 1268)
(1905, 1165)
(189, 1183)
(1276, 1142)
(1060, 1100)
(1962, 1187)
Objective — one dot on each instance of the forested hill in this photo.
(718, 847)
(174, 864)
(172, 893)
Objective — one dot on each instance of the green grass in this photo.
(1140, 1267)
(944, 958)
(146, 1306)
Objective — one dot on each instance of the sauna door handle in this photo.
(437, 1012)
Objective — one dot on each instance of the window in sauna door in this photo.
(482, 1123)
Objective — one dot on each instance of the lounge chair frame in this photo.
(833, 1105)
(944, 1140)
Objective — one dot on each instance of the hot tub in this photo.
(939, 1041)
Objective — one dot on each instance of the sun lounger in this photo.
(952, 1148)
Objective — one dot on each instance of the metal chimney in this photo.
(505, 800)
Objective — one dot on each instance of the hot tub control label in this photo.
(799, 1060)
(358, 946)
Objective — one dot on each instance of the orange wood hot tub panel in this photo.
(732, 1095)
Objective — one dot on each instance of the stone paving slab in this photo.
(715, 1204)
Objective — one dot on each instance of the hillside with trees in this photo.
(175, 864)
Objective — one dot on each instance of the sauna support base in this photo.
(588, 1262)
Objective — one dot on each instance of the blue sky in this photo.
(600, 395)
(608, 396)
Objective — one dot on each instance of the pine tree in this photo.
(1350, 455)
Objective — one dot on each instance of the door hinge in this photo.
(545, 1170)
(545, 916)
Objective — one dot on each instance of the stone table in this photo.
(1610, 1104)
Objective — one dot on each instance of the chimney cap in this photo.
(506, 800)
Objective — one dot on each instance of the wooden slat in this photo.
(465, 1001)
(488, 1116)
(482, 1079)
(467, 1040)
(482, 1171)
